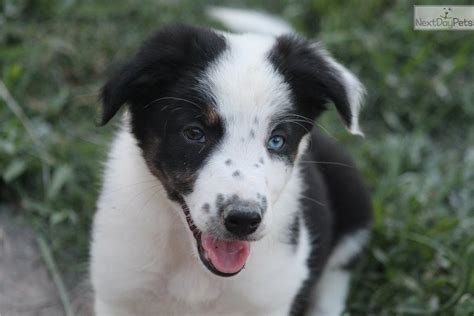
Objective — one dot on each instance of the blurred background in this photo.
(417, 156)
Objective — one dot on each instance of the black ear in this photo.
(316, 78)
(161, 61)
(123, 84)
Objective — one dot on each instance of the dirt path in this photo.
(25, 285)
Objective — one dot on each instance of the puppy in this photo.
(219, 195)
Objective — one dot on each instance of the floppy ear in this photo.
(138, 79)
(317, 79)
(160, 62)
(119, 89)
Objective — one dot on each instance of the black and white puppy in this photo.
(219, 197)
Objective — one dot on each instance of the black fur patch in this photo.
(159, 85)
(352, 263)
(313, 80)
(206, 207)
(317, 218)
(335, 204)
(295, 231)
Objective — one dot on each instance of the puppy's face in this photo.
(221, 120)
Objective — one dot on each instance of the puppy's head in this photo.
(221, 120)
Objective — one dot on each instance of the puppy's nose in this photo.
(242, 221)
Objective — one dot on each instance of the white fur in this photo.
(329, 296)
(334, 286)
(246, 88)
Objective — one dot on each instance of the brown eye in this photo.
(194, 134)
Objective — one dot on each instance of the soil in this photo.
(26, 288)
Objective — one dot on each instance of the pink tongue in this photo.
(227, 256)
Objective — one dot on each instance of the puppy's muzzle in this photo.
(242, 218)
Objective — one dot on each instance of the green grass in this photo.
(418, 154)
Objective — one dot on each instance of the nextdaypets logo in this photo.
(435, 17)
(446, 13)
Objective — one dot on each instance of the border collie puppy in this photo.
(219, 196)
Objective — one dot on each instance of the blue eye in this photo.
(194, 134)
(276, 143)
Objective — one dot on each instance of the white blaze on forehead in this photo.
(243, 82)
(248, 94)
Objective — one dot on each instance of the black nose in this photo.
(242, 222)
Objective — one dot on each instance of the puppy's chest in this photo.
(188, 290)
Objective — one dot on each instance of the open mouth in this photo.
(222, 257)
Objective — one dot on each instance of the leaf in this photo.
(14, 170)
(13, 73)
(60, 177)
(444, 225)
(57, 103)
(58, 217)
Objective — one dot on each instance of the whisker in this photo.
(153, 194)
(327, 163)
(294, 119)
(297, 123)
(325, 130)
(130, 186)
(139, 194)
(165, 126)
(300, 117)
(312, 200)
(173, 98)
(304, 119)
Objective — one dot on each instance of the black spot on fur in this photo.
(263, 202)
(236, 173)
(228, 162)
(252, 134)
(219, 201)
(255, 120)
(261, 160)
(206, 208)
(256, 165)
